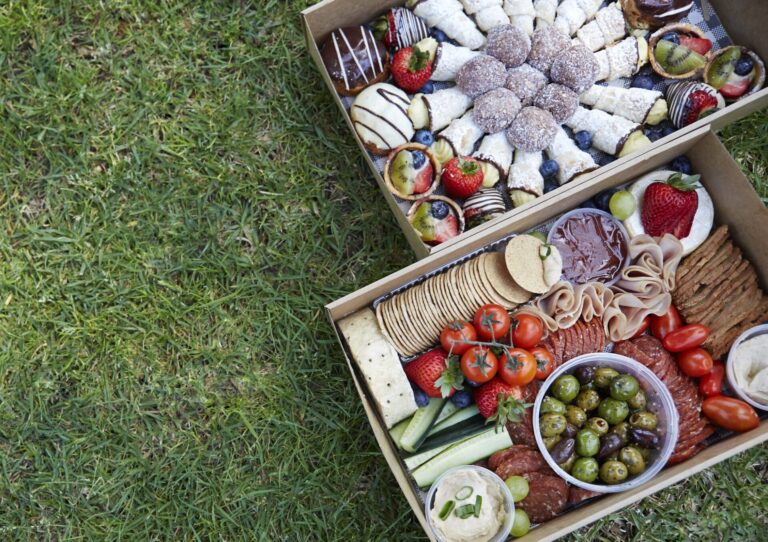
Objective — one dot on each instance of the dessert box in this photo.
(724, 24)
(735, 205)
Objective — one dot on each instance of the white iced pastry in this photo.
(636, 104)
(446, 58)
(572, 160)
(623, 59)
(449, 16)
(461, 135)
(436, 111)
(488, 13)
(380, 117)
(495, 156)
(572, 14)
(545, 12)
(608, 27)
(521, 14)
(610, 133)
(525, 183)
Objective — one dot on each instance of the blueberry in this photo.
(421, 398)
(605, 159)
(590, 204)
(461, 399)
(439, 35)
(549, 168)
(744, 65)
(643, 81)
(439, 209)
(583, 140)
(550, 185)
(667, 129)
(428, 88)
(425, 137)
(671, 36)
(653, 132)
(472, 384)
(682, 164)
(418, 158)
(603, 198)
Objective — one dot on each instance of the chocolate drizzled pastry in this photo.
(652, 14)
(354, 59)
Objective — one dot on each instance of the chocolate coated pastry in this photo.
(652, 14)
(354, 59)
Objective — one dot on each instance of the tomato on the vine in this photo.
(666, 323)
(730, 413)
(686, 337)
(527, 330)
(453, 337)
(479, 364)
(517, 366)
(545, 362)
(491, 322)
(695, 362)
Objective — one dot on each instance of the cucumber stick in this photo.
(397, 431)
(448, 410)
(420, 458)
(462, 453)
(420, 424)
(455, 433)
(453, 419)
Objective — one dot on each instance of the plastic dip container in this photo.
(729, 369)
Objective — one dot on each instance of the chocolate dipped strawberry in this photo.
(400, 27)
(669, 207)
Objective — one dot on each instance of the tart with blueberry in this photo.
(411, 171)
(679, 51)
(436, 219)
(736, 72)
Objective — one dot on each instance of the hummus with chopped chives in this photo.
(750, 367)
(453, 500)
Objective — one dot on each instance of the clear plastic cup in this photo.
(659, 402)
(729, 369)
(509, 503)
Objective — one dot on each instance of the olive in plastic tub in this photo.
(659, 402)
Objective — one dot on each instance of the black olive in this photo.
(609, 444)
(644, 437)
(563, 450)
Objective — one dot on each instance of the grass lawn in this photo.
(180, 197)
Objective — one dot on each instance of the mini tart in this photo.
(435, 171)
(677, 28)
(757, 83)
(454, 207)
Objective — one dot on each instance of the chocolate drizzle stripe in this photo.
(352, 54)
(673, 12)
(387, 95)
(376, 50)
(395, 128)
(341, 60)
(364, 35)
(384, 141)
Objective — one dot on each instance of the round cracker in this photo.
(525, 264)
(394, 333)
(406, 333)
(417, 335)
(461, 288)
(484, 284)
(429, 310)
(497, 270)
(438, 298)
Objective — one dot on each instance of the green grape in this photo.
(622, 204)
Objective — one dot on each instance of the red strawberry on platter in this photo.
(498, 401)
(700, 45)
(462, 177)
(400, 27)
(411, 69)
(670, 207)
(435, 373)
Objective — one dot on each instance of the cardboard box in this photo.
(745, 24)
(736, 204)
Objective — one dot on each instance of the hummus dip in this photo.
(469, 529)
(750, 367)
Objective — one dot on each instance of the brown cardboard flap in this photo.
(746, 22)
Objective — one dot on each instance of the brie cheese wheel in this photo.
(702, 220)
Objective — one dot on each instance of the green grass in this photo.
(180, 197)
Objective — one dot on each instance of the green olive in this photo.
(550, 404)
(585, 469)
(604, 376)
(590, 386)
(613, 472)
(587, 400)
(645, 452)
(575, 415)
(621, 429)
(598, 425)
(587, 443)
(639, 401)
(552, 424)
(549, 442)
(624, 387)
(613, 410)
(565, 388)
(633, 459)
(568, 465)
(644, 420)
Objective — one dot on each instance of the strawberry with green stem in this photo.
(435, 373)
(462, 176)
(411, 68)
(500, 402)
(670, 207)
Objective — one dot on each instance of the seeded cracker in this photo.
(500, 279)
(559, 100)
(523, 259)
(481, 74)
(526, 82)
(532, 130)
(509, 44)
(495, 110)
(385, 309)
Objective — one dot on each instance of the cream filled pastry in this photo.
(571, 160)
(495, 157)
(636, 104)
(380, 117)
(449, 16)
(436, 111)
(521, 14)
(572, 14)
(608, 27)
(622, 59)
(611, 134)
(525, 183)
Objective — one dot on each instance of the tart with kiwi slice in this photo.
(735, 71)
(411, 172)
(436, 219)
(679, 51)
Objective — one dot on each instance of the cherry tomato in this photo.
(491, 322)
(686, 337)
(517, 367)
(453, 334)
(667, 322)
(730, 413)
(545, 362)
(527, 330)
(695, 362)
(711, 384)
(479, 364)
(643, 327)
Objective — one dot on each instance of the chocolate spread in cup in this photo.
(593, 247)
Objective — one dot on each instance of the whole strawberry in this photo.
(411, 68)
(435, 373)
(498, 401)
(462, 177)
(400, 27)
(669, 207)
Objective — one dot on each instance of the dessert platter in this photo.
(469, 108)
(578, 359)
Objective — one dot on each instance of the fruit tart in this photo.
(679, 51)
(436, 219)
(411, 172)
(736, 72)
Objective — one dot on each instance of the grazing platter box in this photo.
(568, 360)
(469, 112)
